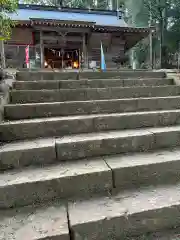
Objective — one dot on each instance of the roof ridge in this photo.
(67, 9)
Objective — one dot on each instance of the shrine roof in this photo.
(100, 17)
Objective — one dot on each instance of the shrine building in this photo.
(62, 37)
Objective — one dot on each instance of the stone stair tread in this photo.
(27, 144)
(26, 186)
(87, 166)
(132, 212)
(62, 126)
(51, 119)
(36, 143)
(43, 142)
(50, 172)
(91, 80)
(35, 223)
(114, 134)
(100, 89)
(114, 142)
(56, 84)
(90, 101)
(26, 75)
(81, 94)
(25, 153)
(66, 180)
(50, 219)
(79, 146)
(131, 170)
(53, 109)
(137, 159)
(81, 117)
(103, 135)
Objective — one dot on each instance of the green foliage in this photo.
(6, 6)
(137, 14)
(164, 15)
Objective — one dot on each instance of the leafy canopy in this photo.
(6, 24)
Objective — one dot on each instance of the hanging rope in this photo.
(62, 52)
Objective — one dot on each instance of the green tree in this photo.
(6, 6)
(164, 16)
(6, 24)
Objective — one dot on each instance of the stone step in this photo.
(139, 212)
(65, 180)
(26, 153)
(75, 147)
(122, 74)
(32, 75)
(97, 83)
(35, 223)
(54, 109)
(114, 142)
(131, 171)
(32, 96)
(88, 177)
(60, 126)
(126, 214)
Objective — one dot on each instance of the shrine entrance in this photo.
(61, 58)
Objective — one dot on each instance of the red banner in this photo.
(27, 54)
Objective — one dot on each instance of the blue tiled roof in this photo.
(100, 19)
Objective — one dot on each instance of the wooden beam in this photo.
(41, 50)
(61, 29)
(59, 38)
(85, 50)
(76, 45)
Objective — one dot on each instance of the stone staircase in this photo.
(95, 159)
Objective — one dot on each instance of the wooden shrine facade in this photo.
(82, 38)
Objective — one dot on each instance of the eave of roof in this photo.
(61, 23)
(120, 29)
(77, 24)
